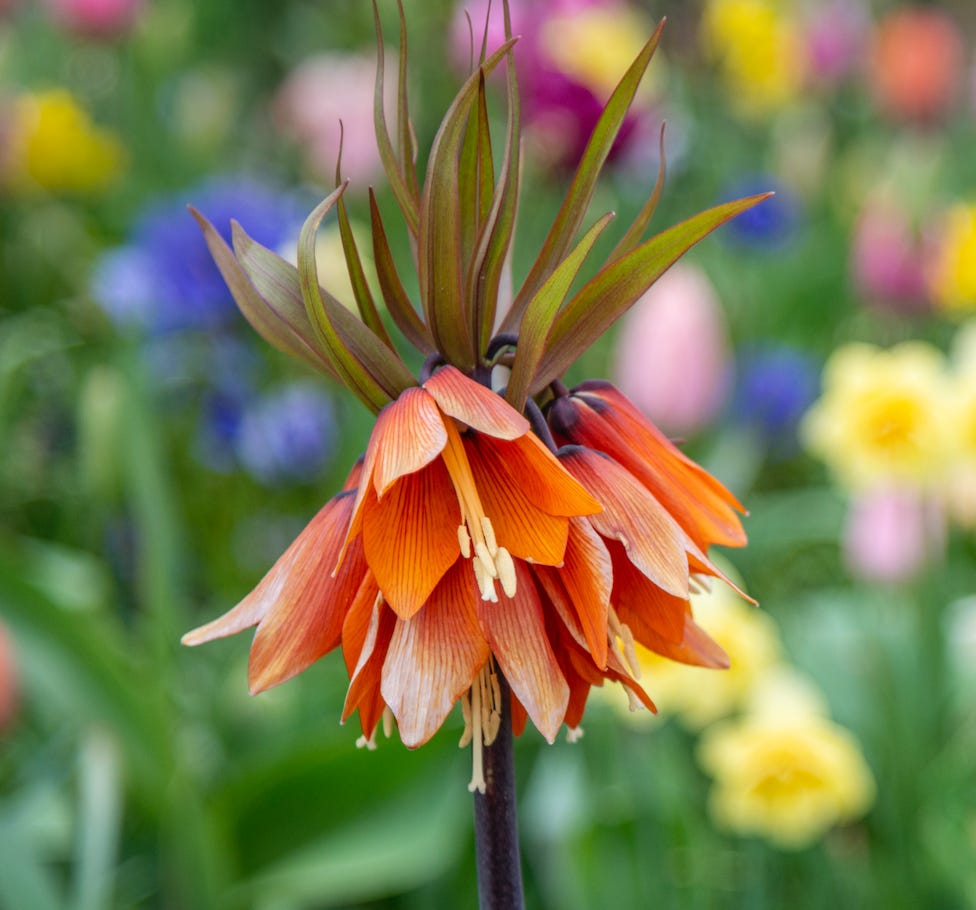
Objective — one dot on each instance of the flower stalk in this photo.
(496, 821)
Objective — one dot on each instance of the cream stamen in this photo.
(464, 541)
(387, 722)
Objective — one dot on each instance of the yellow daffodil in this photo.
(953, 277)
(757, 47)
(696, 696)
(882, 416)
(593, 45)
(55, 146)
(785, 771)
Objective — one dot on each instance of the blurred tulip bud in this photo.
(892, 533)
(9, 686)
(672, 356)
(888, 260)
(836, 33)
(321, 92)
(96, 18)
(917, 64)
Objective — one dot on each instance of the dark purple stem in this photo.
(496, 836)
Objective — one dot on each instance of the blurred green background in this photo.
(156, 457)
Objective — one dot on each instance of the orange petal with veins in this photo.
(582, 586)
(410, 536)
(598, 416)
(364, 681)
(516, 631)
(520, 526)
(309, 607)
(529, 465)
(355, 626)
(300, 573)
(642, 604)
(475, 405)
(408, 435)
(653, 540)
(434, 657)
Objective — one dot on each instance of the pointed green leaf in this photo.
(354, 265)
(574, 206)
(398, 304)
(439, 243)
(540, 313)
(469, 182)
(405, 133)
(486, 163)
(283, 327)
(366, 365)
(636, 231)
(499, 226)
(607, 296)
(406, 197)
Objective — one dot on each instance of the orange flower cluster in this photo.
(462, 543)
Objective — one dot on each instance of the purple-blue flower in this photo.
(775, 387)
(770, 225)
(287, 435)
(164, 279)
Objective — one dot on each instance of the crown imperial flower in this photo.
(491, 540)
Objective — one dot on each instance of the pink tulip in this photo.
(321, 92)
(888, 260)
(892, 534)
(672, 356)
(96, 18)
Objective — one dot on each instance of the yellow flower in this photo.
(697, 696)
(55, 146)
(953, 278)
(960, 484)
(758, 51)
(593, 46)
(785, 771)
(882, 416)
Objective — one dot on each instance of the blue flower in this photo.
(775, 387)
(164, 279)
(287, 435)
(770, 225)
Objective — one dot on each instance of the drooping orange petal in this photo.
(601, 418)
(582, 585)
(695, 647)
(519, 715)
(475, 405)
(434, 657)
(516, 631)
(642, 604)
(310, 605)
(297, 575)
(528, 464)
(520, 526)
(355, 626)
(654, 542)
(364, 682)
(410, 537)
(409, 434)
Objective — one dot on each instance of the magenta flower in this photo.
(96, 18)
